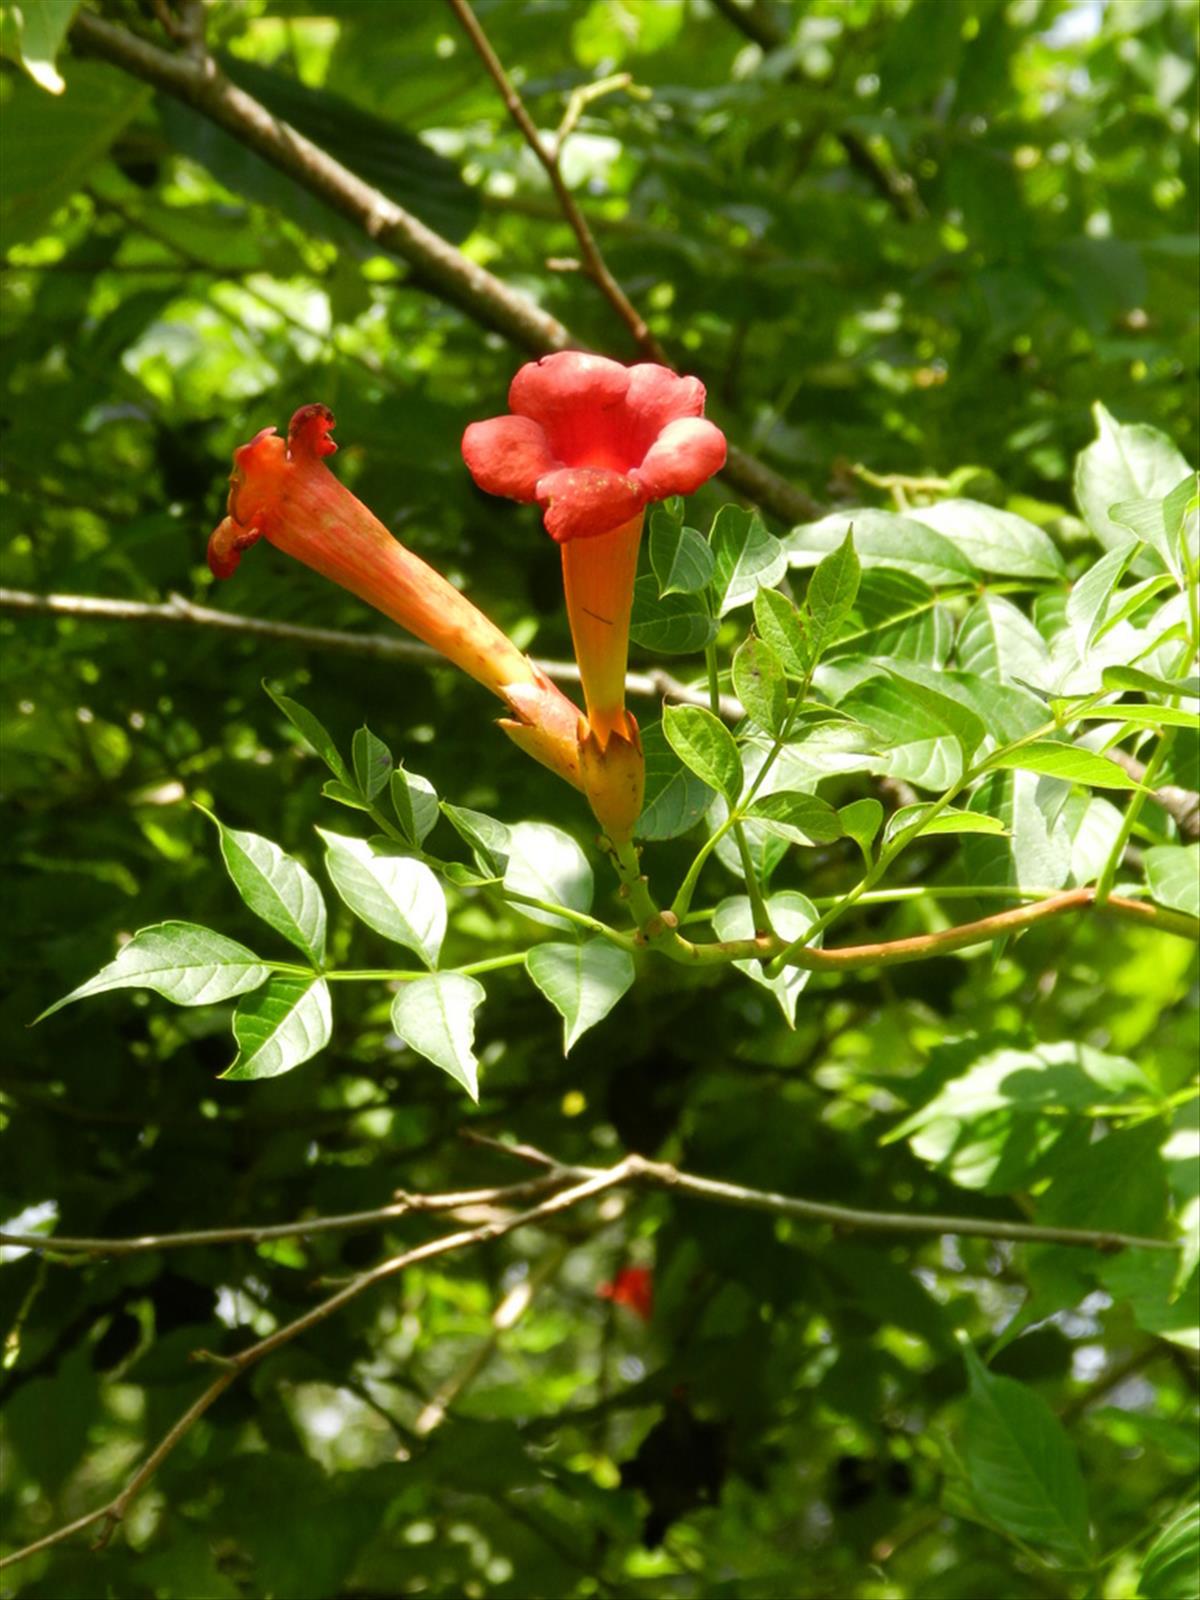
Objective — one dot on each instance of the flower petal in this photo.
(583, 502)
(685, 455)
(567, 380)
(507, 456)
(580, 402)
(657, 396)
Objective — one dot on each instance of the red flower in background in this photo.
(633, 1287)
(593, 442)
(283, 492)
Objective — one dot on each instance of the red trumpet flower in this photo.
(633, 1287)
(593, 442)
(283, 492)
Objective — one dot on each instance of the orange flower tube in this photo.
(593, 442)
(283, 492)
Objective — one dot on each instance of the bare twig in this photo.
(585, 1182)
(438, 267)
(305, 1228)
(110, 1516)
(633, 1170)
(594, 262)
(377, 646)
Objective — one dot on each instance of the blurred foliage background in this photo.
(911, 235)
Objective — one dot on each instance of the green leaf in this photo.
(187, 964)
(1145, 1281)
(832, 591)
(315, 735)
(803, 819)
(1066, 761)
(1002, 1106)
(760, 685)
(706, 747)
(994, 540)
(435, 1016)
(746, 558)
(779, 625)
(583, 982)
(275, 887)
(1036, 854)
(1160, 523)
(1173, 873)
(860, 821)
(1022, 1466)
(681, 557)
(914, 734)
(791, 915)
(883, 540)
(677, 625)
(33, 32)
(1087, 604)
(399, 897)
(372, 762)
(1126, 461)
(489, 840)
(953, 711)
(1170, 1565)
(945, 822)
(1137, 716)
(675, 799)
(52, 144)
(1135, 678)
(547, 864)
(280, 1026)
(1090, 825)
(353, 799)
(415, 802)
(996, 640)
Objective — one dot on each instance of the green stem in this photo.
(1104, 884)
(906, 835)
(385, 974)
(758, 904)
(682, 902)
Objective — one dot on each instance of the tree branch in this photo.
(655, 684)
(438, 266)
(111, 1515)
(594, 262)
(632, 1170)
(308, 1227)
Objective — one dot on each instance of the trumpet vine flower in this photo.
(592, 443)
(282, 491)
